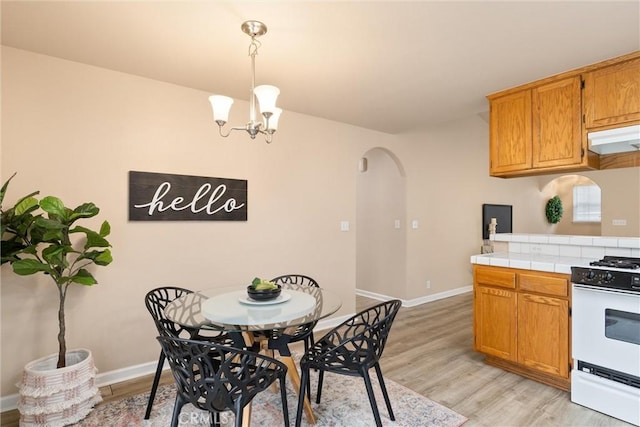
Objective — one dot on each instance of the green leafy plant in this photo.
(37, 237)
(554, 210)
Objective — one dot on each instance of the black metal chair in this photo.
(156, 301)
(302, 332)
(216, 377)
(352, 348)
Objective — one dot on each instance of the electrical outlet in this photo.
(428, 284)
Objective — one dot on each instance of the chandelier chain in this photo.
(254, 46)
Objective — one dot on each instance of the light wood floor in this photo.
(430, 351)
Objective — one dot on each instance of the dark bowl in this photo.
(263, 295)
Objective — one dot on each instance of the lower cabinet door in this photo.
(495, 322)
(543, 334)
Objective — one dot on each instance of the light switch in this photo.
(397, 224)
(619, 222)
(344, 226)
(414, 224)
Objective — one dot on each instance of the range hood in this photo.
(619, 140)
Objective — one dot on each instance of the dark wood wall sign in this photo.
(167, 197)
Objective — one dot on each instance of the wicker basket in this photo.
(51, 397)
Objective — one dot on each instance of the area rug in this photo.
(344, 404)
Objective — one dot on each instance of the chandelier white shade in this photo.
(221, 106)
(266, 96)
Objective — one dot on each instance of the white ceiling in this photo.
(391, 66)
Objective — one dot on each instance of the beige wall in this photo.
(563, 188)
(75, 131)
(380, 246)
(620, 190)
(447, 183)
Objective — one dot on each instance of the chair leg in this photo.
(307, 345)
(303, 387)
(283, 396)
(319, 391)
(154, 387)
(239, 410)
(384, 391)
(177, 407)
(215, 419)
(312, 341)
(372, 398)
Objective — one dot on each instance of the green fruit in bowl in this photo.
(263, 285)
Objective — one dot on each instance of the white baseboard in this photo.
(416, 301)
(331, 323)
(8, 403)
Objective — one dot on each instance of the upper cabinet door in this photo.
(612, 95)
(557, 128)
(510, 132)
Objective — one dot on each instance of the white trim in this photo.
(8, 403)
(416, 301)
(128, 373)
(332, 322)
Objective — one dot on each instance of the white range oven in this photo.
(606, 337)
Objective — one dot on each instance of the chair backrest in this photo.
(217, 377)
(295, 279)
(157, 300)
(360, 340)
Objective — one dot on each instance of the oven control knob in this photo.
(608, 277)
(591, 275)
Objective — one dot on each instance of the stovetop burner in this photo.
(618, 262)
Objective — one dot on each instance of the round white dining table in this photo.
(229, 309)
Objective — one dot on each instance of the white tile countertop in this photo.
(555, 253)
(550, 263)
(566, 240)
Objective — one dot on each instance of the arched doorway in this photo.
(566, 187)
(381, 229)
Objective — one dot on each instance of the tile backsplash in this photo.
(594, 247)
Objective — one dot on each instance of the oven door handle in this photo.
(591, 288)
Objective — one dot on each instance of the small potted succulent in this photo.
(41, 236)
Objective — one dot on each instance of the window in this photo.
(587, 205)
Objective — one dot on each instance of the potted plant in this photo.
(41, 236)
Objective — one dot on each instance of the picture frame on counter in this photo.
(503, 215)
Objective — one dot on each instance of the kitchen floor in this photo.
(430, 350)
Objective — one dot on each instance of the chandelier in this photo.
(266, 96)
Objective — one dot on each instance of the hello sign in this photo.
(167, 197)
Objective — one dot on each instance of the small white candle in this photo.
(493, 221)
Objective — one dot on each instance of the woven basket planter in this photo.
(51, 397)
